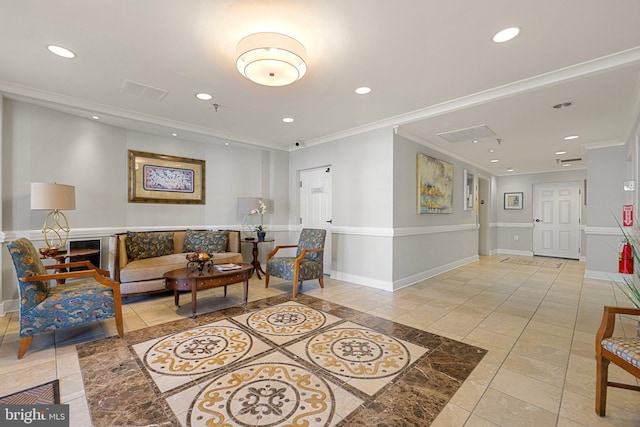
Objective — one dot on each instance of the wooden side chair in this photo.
(624, 352)
(306, 265)
(45, 308)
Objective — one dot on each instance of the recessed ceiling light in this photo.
(288, 120)
(566, 165)
(204, 96)
(95, 117)
(494, 160)
(506, 34)
(363, 90)
(61, 51)
(570, 137)
(563, 105)
(510, 169)
(492, 150)
(475, 141)
(560, 152)
(226, 143)
(174, 134)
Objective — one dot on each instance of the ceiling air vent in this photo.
(143, 91)
(578, 159)
(468, 134)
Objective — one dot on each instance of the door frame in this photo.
(484, 218)
(578, 226)
(327, 256)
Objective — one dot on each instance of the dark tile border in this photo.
(119, 391)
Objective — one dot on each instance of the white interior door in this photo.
(484, 236)
(315, 205)
(556, 220)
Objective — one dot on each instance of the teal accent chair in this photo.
(45, 308)
(306, 265)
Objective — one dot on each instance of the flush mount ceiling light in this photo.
(363, 90)
(204, 96)
(288, 120)
(506, 34)
(61, 51)
(570, 137)
(271, 59)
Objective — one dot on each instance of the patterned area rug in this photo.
(534, 261)
(277, 362)
(44, 394)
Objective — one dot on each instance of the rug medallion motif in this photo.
(276, 363)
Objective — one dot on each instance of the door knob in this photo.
(538, 220)
(330, 221)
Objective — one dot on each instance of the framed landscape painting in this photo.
(159, 178)
(435, 185)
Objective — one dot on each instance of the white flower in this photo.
(261, 210)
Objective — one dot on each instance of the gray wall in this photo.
(362, 200)
(427, 244)
(512, 223)
(606, 174)
(39, 144)
(378, 238)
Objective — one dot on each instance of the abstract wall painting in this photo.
(435, 185)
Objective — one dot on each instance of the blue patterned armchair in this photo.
(45, 308)
(306, 265)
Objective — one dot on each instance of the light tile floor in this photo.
(538, 324)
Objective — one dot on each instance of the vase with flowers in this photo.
(250, 222)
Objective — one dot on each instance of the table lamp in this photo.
(54, 197)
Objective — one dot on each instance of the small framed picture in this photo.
(513, 200)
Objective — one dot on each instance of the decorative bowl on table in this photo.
(199, 260)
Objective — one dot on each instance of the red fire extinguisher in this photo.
(625, 258)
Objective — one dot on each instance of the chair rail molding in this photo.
(603, 231)
(514, 224)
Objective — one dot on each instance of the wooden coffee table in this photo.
(190, 279)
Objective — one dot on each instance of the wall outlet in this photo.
(516, 237)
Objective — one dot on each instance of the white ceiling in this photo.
(431, 64)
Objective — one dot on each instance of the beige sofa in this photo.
(145, 276)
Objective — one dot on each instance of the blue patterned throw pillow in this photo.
(206, 241)
(148, 244)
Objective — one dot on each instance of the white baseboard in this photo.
(513, 252)
(416, 278)
(362, 280)
(404, 282)
(606, 276)
(9, 306)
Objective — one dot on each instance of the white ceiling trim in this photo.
(81, 108)
(418, 140)
(605, 63)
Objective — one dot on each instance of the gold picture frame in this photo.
(160, 178)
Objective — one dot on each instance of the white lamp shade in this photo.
(54, 196)
(247, 204)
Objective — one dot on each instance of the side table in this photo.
(62, 256)
(257, 268)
